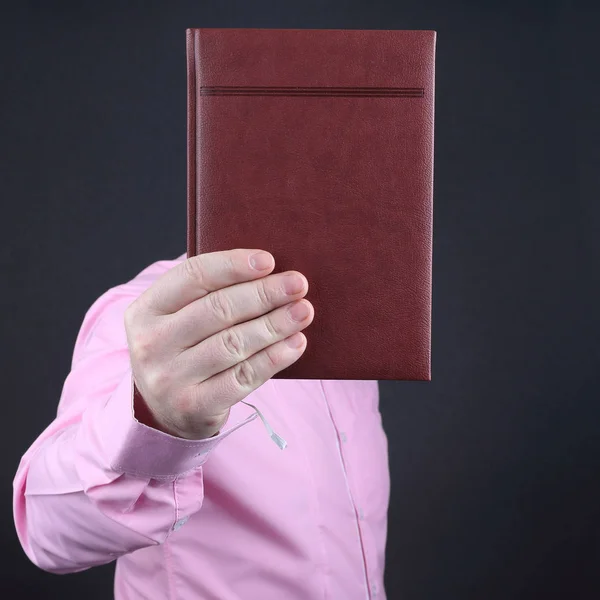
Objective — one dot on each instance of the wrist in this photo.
(144, 415)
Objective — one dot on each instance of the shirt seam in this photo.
(167, 549)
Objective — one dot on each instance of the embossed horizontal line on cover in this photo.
(311, 91)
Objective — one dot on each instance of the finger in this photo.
(236, 344)
(199, 275)
(229, 387)
(227, 307)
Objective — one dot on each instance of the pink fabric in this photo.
(226, 518)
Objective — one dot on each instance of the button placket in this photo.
(343, 439)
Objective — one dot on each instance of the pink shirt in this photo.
(231, 517)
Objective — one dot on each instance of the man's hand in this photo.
(210, 331)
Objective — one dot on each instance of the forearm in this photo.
(103, 485)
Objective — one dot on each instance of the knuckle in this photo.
(159, 381)
(272, 332)
(261, 292)
(272, 358)
(221, 306)
(183, 402)
(192, 267)
(244, 374)
(141, 345)
(229, 264)
(233, 343)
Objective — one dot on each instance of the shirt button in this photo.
(361, 514)
(343, 436)
(180, 523)
(374, 589)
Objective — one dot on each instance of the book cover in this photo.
(317, 145)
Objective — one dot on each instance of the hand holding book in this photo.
(209, 332)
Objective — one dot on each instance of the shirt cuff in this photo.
(136, 449)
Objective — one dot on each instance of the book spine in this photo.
(191, 142)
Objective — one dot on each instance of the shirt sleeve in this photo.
(97, 483)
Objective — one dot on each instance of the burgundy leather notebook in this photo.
(317, 145)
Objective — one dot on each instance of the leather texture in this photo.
(317, 145)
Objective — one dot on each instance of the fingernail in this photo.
(299, 311)
(295, 341)
(261, 261)
(293, 284)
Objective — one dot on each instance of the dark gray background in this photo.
(496, 462)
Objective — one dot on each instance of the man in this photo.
(156, 458)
